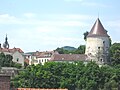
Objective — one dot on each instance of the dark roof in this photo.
(98, 30)
(44, 54)
(68, 57)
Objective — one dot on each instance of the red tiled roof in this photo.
(97, 30)
(68, 57)
(11, 50)
(38, 89)
(19, 50)
(44, 54)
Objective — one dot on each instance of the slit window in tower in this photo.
(98, 47)
(17, 59)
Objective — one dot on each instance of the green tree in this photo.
(115, 53)
(80, 49)
(92, 74)
(60, 50)
(85, 35)
(69, 75)
(6, 60)
(2, 59)
(27, 77)
(25, 64)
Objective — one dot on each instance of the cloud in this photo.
(43, 38)
(89, 3)
(63, 41)
(94, 4)
(114, 23)
(58, 30)
(7, 19)
(36, 33)
(113, 28)
(29, 15)
(73, 0)
(77, 17)
(59, 20)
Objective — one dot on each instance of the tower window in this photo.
(98, 47)
(103, 42)
(17, 59)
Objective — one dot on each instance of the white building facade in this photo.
(40, 57)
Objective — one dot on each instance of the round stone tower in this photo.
(98, 43)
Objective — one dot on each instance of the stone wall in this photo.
(4, 82)
(97, 49)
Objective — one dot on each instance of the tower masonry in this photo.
(97, 44)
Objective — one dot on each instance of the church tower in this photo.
(6, 44)
(97, 44)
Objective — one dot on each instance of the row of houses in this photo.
(48, 56)
(38, 57)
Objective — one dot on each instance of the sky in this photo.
(43, 25)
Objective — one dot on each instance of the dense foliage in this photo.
(79, 50)
(73, 76)
(69, 75)
(69, 48)
(6, 61)
(115, 53)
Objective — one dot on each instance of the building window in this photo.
(17, 59)
(40, 61)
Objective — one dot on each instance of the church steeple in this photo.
(6, 44)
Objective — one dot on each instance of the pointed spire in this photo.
(98, 30)
(6, 44)
(6, 38)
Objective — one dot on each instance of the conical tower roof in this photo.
(98, 30)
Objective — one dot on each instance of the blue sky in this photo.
(47, 24)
